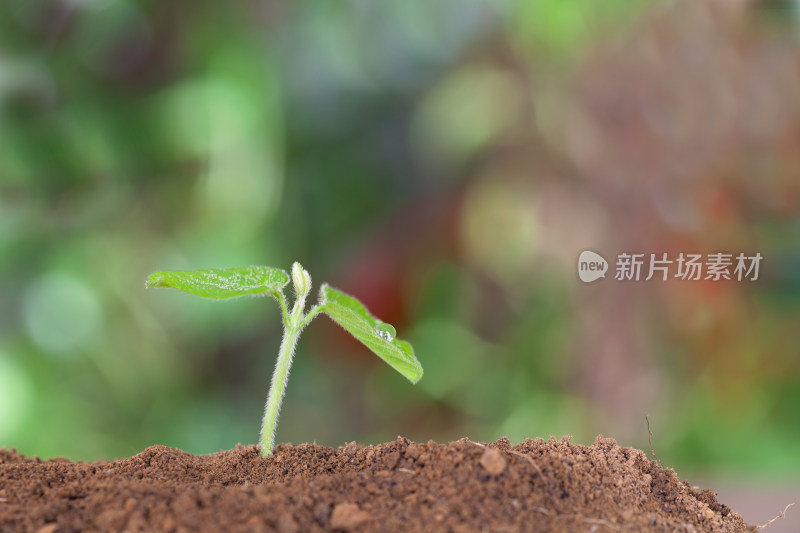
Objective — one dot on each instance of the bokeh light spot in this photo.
(465, 111)
(61, 313)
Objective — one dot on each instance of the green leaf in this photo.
(222, 283)
(354, 317)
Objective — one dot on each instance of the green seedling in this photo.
(345, 310)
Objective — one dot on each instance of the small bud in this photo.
(301, 280)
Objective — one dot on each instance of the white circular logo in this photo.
(591, 266)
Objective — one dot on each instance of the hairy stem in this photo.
(293, 324)
(310, 315)
(278, 387)
(284, 309)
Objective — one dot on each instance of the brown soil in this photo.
(397, 486)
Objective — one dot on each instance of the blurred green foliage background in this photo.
(444, 161)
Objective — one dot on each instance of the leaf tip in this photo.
(154, 280)
(416, 373)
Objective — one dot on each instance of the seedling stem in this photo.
(292, 326)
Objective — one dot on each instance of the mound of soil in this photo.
(462, 486)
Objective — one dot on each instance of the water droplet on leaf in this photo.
(386, 331)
